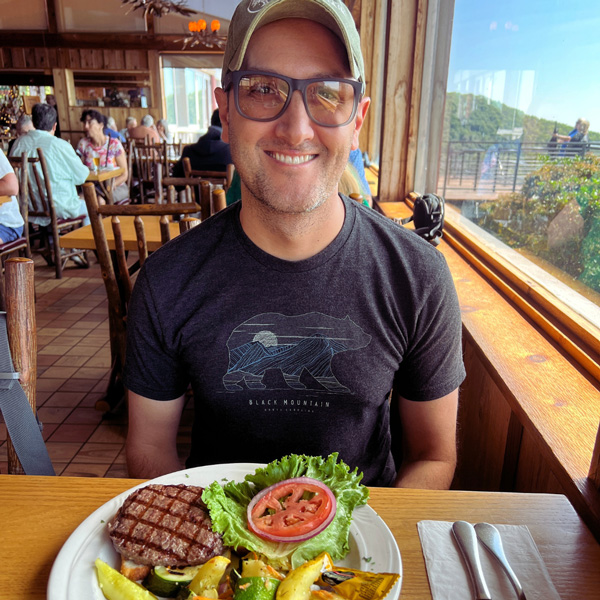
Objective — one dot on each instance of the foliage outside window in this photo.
(519, 74)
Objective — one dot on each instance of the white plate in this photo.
(73, 576)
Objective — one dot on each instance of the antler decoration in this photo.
(160, 8)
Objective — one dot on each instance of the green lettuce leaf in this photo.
(227, 506)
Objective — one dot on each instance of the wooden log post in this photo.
(22, 335)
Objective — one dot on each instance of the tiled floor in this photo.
(73, 368)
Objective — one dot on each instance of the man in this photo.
(209, 153)
(145, 130)
(23, 125)
(110, 129)
(130, 123)
(65, 168)
(295, 311)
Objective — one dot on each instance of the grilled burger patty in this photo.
(166, 525)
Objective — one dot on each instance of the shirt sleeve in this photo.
(433, 366)
(72, 162)
(152, 366)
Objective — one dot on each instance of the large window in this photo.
(521, 143)
(189, 100)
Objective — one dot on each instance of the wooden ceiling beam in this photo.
(125, 41)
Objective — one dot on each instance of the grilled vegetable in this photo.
(296, 586)
(167, 581)
(115, 586)
(209, 576)
(256, 588)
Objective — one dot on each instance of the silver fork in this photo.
(489, 536)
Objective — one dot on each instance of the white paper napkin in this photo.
(448, 578)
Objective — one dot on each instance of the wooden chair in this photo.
(215, 177)
(41, 204)
(22, 336)
(118, 275)
(146, 158)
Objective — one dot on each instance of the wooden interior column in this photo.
(22, 335)
(406, 25)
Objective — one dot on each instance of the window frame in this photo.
(412, 128)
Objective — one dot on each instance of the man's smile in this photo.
(292, 159)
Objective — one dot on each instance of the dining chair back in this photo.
(146, 158)
(117, 274)
(41, 204)
(171, 152)
(22, 336)
(215, 177)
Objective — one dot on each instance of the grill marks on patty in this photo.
(166, 525)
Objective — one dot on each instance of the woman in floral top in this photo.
(109, 151)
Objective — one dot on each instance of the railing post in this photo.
(517, 162)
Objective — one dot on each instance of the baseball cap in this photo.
(252, 14)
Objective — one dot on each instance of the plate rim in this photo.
(73, 544)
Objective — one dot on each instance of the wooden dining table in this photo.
(38, 514)
(5, 199)
(83, 237)
(105, 178)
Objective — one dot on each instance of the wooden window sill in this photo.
(552, 397)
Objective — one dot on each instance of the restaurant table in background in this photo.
(38, 514)
(105, 178)
(84, 237)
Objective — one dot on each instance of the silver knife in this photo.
(489, 536)
(467, 542)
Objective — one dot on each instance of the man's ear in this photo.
(223, 103)
(361, 113)
(53, 130)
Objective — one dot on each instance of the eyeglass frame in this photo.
(232, 79)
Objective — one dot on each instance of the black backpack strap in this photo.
(21, 424)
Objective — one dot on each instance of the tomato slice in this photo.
(293, 510)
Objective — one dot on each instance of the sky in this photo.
(542, 56)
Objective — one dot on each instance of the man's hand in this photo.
(152, 437)
(429, 442)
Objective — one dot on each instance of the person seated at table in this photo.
(109, 151)
(65, 169)
(146, 131)
(130, 123)
(209, 153)
(11, 220)
(162, 128)
(295, 312)
(23, 125)
(111, 129)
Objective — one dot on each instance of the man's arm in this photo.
(9, 185)
(429, 442)
(152, 437)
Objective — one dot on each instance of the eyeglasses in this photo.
(265, 96)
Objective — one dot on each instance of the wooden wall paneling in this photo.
(114, 59)
(18, 58)
(415, 98)
(401, 26)
(40, 58)
(156, 95)
(533, 474)
(91, 59)
(483, 423)
(63, 58)
(74, 59)
(5, 58)
(372, 35)
(52, 54)
(136, 59)
(30, 58)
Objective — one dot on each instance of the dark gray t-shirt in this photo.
(295, 357)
